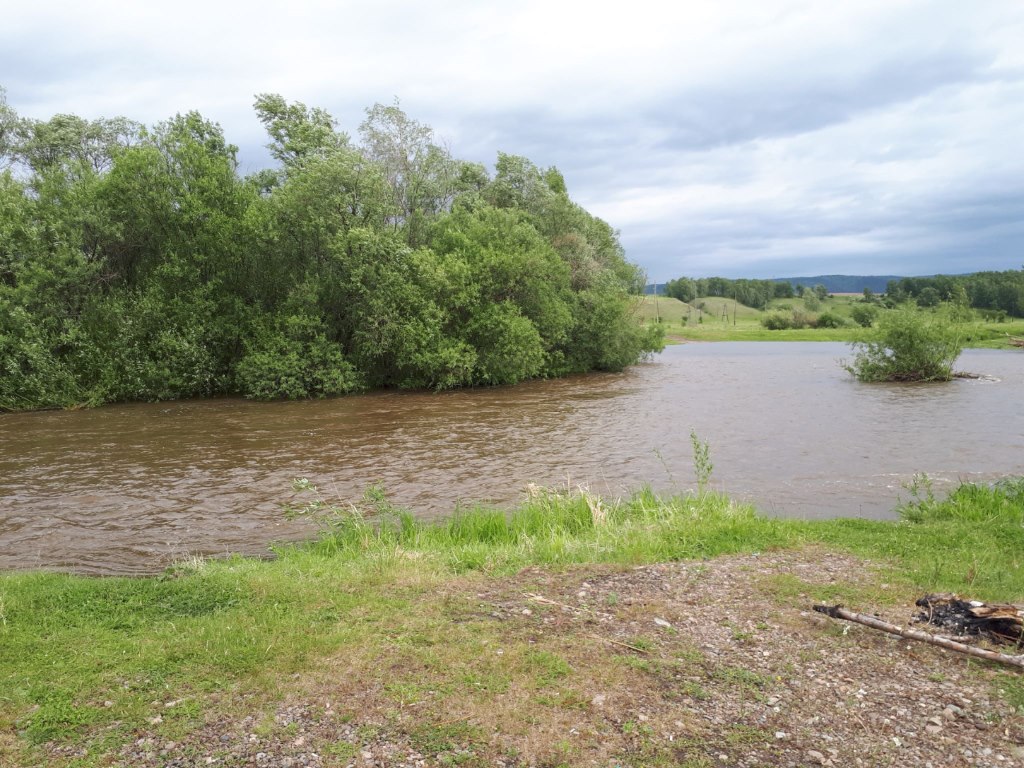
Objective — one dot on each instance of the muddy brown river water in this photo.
(131, 488)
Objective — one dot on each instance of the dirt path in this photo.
(692, 664)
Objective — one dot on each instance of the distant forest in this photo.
(831, 283)
(137, 263)
(843, 283)
(752, 293)
(993, 291)
(990, 291)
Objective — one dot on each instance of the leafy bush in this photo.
(294, 360)
(777, 321)
(909, 345)
(864, 314)
(829, 320)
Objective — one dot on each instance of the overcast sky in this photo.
(743, 138)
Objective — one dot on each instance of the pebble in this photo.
(816, 756)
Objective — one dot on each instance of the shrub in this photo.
(864, 314)
(777, 321)
(294, 360)
(829, 320)
(909, 345)
(801, 319)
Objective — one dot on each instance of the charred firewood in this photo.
(838, 612)
(998, 622)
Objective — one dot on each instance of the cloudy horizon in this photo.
(740, 138)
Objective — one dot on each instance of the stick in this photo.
(547, 601)
(837, 612)
(616, 642)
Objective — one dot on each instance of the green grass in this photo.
(87, 660)
(684, 322)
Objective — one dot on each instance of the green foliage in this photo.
(777, 321)
(136, 264)
(829, 320)
(909, 345)
(293, 359)
(750, 293)
(797, 318)
(982, 290)
(864, 314)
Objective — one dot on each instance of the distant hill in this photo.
(842, 283)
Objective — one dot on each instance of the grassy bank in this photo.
(87, 664)
(721, 319)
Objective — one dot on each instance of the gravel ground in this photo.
(719, 663)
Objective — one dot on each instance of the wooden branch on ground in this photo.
(624, 645)
(547, 601)
(838, 612)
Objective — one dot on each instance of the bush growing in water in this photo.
(909, 345)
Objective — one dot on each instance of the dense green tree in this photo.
(297, 132)
(10, 130)
(135, 264)
(422, 177)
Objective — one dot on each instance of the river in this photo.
(130, 488)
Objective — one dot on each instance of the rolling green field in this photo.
(715, 318)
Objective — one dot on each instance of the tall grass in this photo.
(551, 528)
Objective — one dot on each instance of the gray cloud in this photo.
(742, 138)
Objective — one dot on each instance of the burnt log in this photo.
(838, 612)
(999, 622)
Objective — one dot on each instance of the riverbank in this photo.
(577, 631)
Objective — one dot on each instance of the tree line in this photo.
(136, 263)
(994, 292)
(752, 293)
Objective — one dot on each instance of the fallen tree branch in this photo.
(838, 612)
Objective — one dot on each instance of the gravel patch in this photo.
(718, 663)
